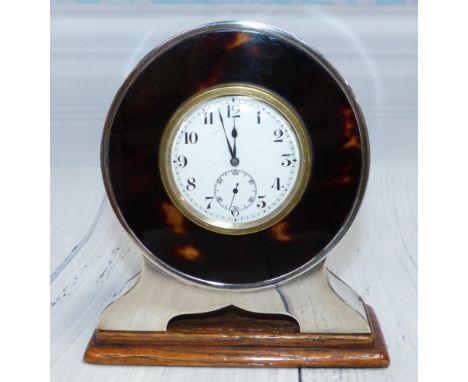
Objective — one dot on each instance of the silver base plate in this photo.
(318, 300)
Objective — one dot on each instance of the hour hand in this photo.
(234, 159)
(234, 136)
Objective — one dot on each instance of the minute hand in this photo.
(225, 135)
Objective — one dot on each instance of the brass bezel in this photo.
(273, 100)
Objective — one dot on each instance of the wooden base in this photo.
(232, 337)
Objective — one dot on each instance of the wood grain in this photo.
(228, 340)
(232, 326)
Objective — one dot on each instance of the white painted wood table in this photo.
(93, 260)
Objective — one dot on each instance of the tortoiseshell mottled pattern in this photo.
(215, 58)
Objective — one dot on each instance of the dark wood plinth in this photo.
(239, 340)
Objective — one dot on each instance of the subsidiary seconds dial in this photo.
(235, 190)
(235, 159)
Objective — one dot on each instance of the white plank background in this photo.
(94, 46)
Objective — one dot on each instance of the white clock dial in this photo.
(233, 162)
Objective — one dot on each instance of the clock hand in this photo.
(234, 193)
(234, 161)
(225, 135)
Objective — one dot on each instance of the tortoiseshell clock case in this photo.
(213, 56)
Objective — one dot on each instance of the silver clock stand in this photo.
(336, 328)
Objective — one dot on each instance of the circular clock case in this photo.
(172, 148)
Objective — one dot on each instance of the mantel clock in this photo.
(236, 157)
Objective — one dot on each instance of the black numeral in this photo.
(210, 198)
(278, 133)
(191, 137)
(276, 184)
(258, 117)
(191, 184)
(182, 161)
(287, 162)
(235, 211)
(233, 111)
(261, 203)
(208, 118)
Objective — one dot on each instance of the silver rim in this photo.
(268, 30)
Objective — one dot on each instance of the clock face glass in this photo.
(234, 162)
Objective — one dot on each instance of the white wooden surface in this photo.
(93, 260)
